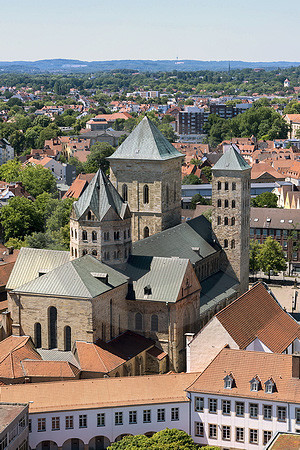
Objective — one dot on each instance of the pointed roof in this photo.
(99, 197)
(231, 160)
(146, 142)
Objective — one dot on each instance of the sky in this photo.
(96, 30)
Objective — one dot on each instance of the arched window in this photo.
(89, 216)
(52, 324)
(226, 204)
(71, 232)
(125, 192)
(138, 321)
(226, 186)
(75, 252)
(233, 203)
(146, 194)
(84, 235)
(225, 243)
(167, 194)
(232, 220)
(84, 252)
(75, 234)
(225, 220)
(94, 252)
(72, 251)
(154, 322)
(146, 232)
(37, 335)
(67, 338)
(219, 220)
(233, 243)
(219, 185)
(94, 236)
(233, 186)
(219, 203)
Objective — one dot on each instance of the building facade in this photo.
(13, 426)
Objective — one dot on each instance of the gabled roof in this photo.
(256, 314)
(47, 369)
(146, 142)
(231, 160)
(75, 279)
(100, 196)
(13, 350)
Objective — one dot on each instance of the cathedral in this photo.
(132, 265)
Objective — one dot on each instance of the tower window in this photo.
(233, 243)
(71, 232)
(72, 251)
(84, 235)
(106, 235)
(226, 186)
(225, 243)
(219, 203)
(146, 232)
(233, 203)
(219, 185)
(75, 252)
(225, 220)
(52, 321)
(146, 194)
(226, 204)
(154, 322)
(67, 338)
(232, 220)
(233, 186)
(138, 321)
(94, 236)
(125, 192)
(219, 220)
(75, 234)
(116, 235)
(89, 216)
(38, 335)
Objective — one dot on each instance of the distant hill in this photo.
(76, 66)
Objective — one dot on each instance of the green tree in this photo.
(97, 158)
(10, 171)
(15, 243)
(254, 260)
(265, 200)
(168, 132)
(271, 257)
(199, 199)
(17, 141)
(206, 170)
(191, 179)
(78, 164)
(19, 218)
(40, 240)
(37, 179)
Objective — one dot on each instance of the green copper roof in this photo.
(146, 142)
(76, 278)
(100, 196)
(231, 160)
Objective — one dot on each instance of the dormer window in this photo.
(269, 386)
(255, 384)
(228, 382)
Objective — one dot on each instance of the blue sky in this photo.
(255, 30)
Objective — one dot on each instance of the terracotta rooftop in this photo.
(261, 168)
(243, 365)
(98, 393)
(256, 314)
(93, 358)
(47, 369)
(286, 441)
(12, 351)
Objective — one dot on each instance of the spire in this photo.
(231, 160)
(146, 142)
(99, 197)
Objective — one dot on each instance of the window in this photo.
(253, 436)
(225, 220)
(225, 243)
(38, 335)
(138, 321)
(128, 233)
(219, 203)
(232, 243)
(41, 425)
(212, 431)
(174, 413)
(94, 236)
(82, 420)
(239, 434)
(116, 235)
(106, 235)
(118, 418)
(13, 433)
(125, 192)
(232, 221)
(69, 423)
(106, 256)
(233, 204)
(146, 232)
(22, 422)
(226, 406)
(3, 442)
(267, 436)
(160, 415)
(219, 185)
(132, 417)
(147, 415)
(269, 387)
(233, 186)
(146, 194)
(94, 252)
(67, 338)
(228, 382)
(29, 425)
(199, 429)
(154, 322)
(84, 236)
(212, 405)
(281, 413)
(101, 420)
(226, 203)
(199, 404)
(52, 324)
(89, 216)
(55, 423)
(239, 408)
(226, 186)
(226, 433)
(297, 415)
(84, 252)
(267, 412)
(253, 410)
(219, 220)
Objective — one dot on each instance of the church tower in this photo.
(100, 223)
(146, 171)
(231, 213)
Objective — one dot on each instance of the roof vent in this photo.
(147, 290)
(255, 220)
(42, 272)
(282, 220)
(268, 220)
(291, 221)
(100, 276)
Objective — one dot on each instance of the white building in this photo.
(243, 398)
(90, 414)
(6, 151)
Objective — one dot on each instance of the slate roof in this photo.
(100, 196)
(32, 260)
(179, 241)
(216, 288)
(231, 160)
(146, 142)
(75, 279)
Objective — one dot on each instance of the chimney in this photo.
(296, 366)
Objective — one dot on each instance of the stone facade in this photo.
(153, 192)
(231, 221)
